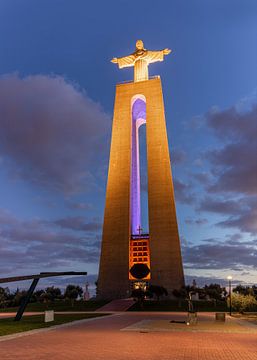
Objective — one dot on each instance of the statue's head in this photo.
(139, 45)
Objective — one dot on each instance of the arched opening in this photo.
(138, 119)
(139, 242)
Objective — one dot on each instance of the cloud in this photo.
(219, 206)
(235, 165)
(246, 221)
(6, 218)
(35, 245)
(196, 221)
(242, 212)
(233, 123)
(79, 205)
(51, 133)
(216, 255)
(78, 223)
(203, 177)
(178, 156)
(231, 184)
(183, 192)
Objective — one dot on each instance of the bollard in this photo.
(220, 317)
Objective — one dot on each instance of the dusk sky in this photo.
(57, 88)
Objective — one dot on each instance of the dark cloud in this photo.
(28, 246)
(51, 133)
(243, 212)
(79, 205)
(203, 177)
(6, 218)
(219, 206)
(79, 223)
(201, 221)
(183, 192)
(178, 156)
(231, 123)
(232, 183)
(246, 221)
(215, 255)
(235, 165)
(232, 239)
(196, 221)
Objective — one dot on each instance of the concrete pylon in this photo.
(122, 248)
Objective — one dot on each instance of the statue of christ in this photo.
(140, 59)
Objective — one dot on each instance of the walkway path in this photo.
(102, 339)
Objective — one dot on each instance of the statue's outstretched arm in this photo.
(124, 61)
(153, 56)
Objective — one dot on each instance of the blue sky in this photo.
(57, 89)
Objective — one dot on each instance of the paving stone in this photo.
(103, 340)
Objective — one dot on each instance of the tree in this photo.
(45, 298)
(244, 290)
(158, 291)
(19, 295)
(4, 296)
(254, 288)
(72, 292)
(37, 295)
(181, 293)
(242, 302)
(54, 293)
(215, 291)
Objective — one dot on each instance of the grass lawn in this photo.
(8, 326)
(174, 305)
(61, 306)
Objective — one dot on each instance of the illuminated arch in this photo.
(138, 111)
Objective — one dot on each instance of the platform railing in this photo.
(131, 81)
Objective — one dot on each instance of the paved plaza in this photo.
(135, 336)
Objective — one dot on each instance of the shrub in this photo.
(242, 303)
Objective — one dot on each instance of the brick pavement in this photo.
(103, 340)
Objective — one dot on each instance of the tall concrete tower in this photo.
(128, 256)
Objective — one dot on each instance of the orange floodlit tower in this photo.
(127, 254)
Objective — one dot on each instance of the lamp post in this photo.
(229, 291)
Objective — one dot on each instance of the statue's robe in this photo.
(140, 60)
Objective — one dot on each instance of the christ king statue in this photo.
(140, 59)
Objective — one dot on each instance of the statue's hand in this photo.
(166, 51)
(114, 60)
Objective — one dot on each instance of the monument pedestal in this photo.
(164, 254)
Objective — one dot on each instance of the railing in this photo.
(131, 81)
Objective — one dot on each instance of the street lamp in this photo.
(229, 291)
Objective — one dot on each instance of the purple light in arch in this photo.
(138, 118)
